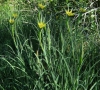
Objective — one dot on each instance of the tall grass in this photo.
(63, 55)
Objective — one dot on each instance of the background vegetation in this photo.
(49, 45)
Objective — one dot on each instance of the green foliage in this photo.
(44, 48)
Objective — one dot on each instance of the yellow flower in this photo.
(41, 25)
(82, 10)
(15, 15)
(69, 13)
(41, 6)
(11, 21)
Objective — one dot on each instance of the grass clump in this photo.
(53, 45)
